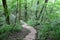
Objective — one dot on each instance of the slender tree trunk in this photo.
(51, 10)
(26, 10)
(6, 11)
(46, 1)
(19, 10)
(37, 9)
(42, 9)
(36, 14)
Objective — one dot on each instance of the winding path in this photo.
(32, 34)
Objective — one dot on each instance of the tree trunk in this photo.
(37, 9)
(6, 11)
(36, 13)
(26, 10)
(42, 9)
(19, 10)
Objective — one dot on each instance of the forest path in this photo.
(32, 34)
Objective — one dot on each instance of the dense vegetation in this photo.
(43, 15)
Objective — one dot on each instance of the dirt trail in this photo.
(32, 34)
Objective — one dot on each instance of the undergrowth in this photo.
(5, 29)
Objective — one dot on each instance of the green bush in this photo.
(31, 22)
(49, 32)
(4, 36)
(17, 27)
(6, 29)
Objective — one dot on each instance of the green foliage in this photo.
(49, 28)
(17, 27)
(6, 29)
(49, 20)
(49, 32)
(31, 22)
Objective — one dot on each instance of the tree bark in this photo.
(19, 10)
(6, 11)
(37, 9)
(26, 10)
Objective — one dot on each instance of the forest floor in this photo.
(18, 35)
(27, 33)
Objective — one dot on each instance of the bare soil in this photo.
(18, 35)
